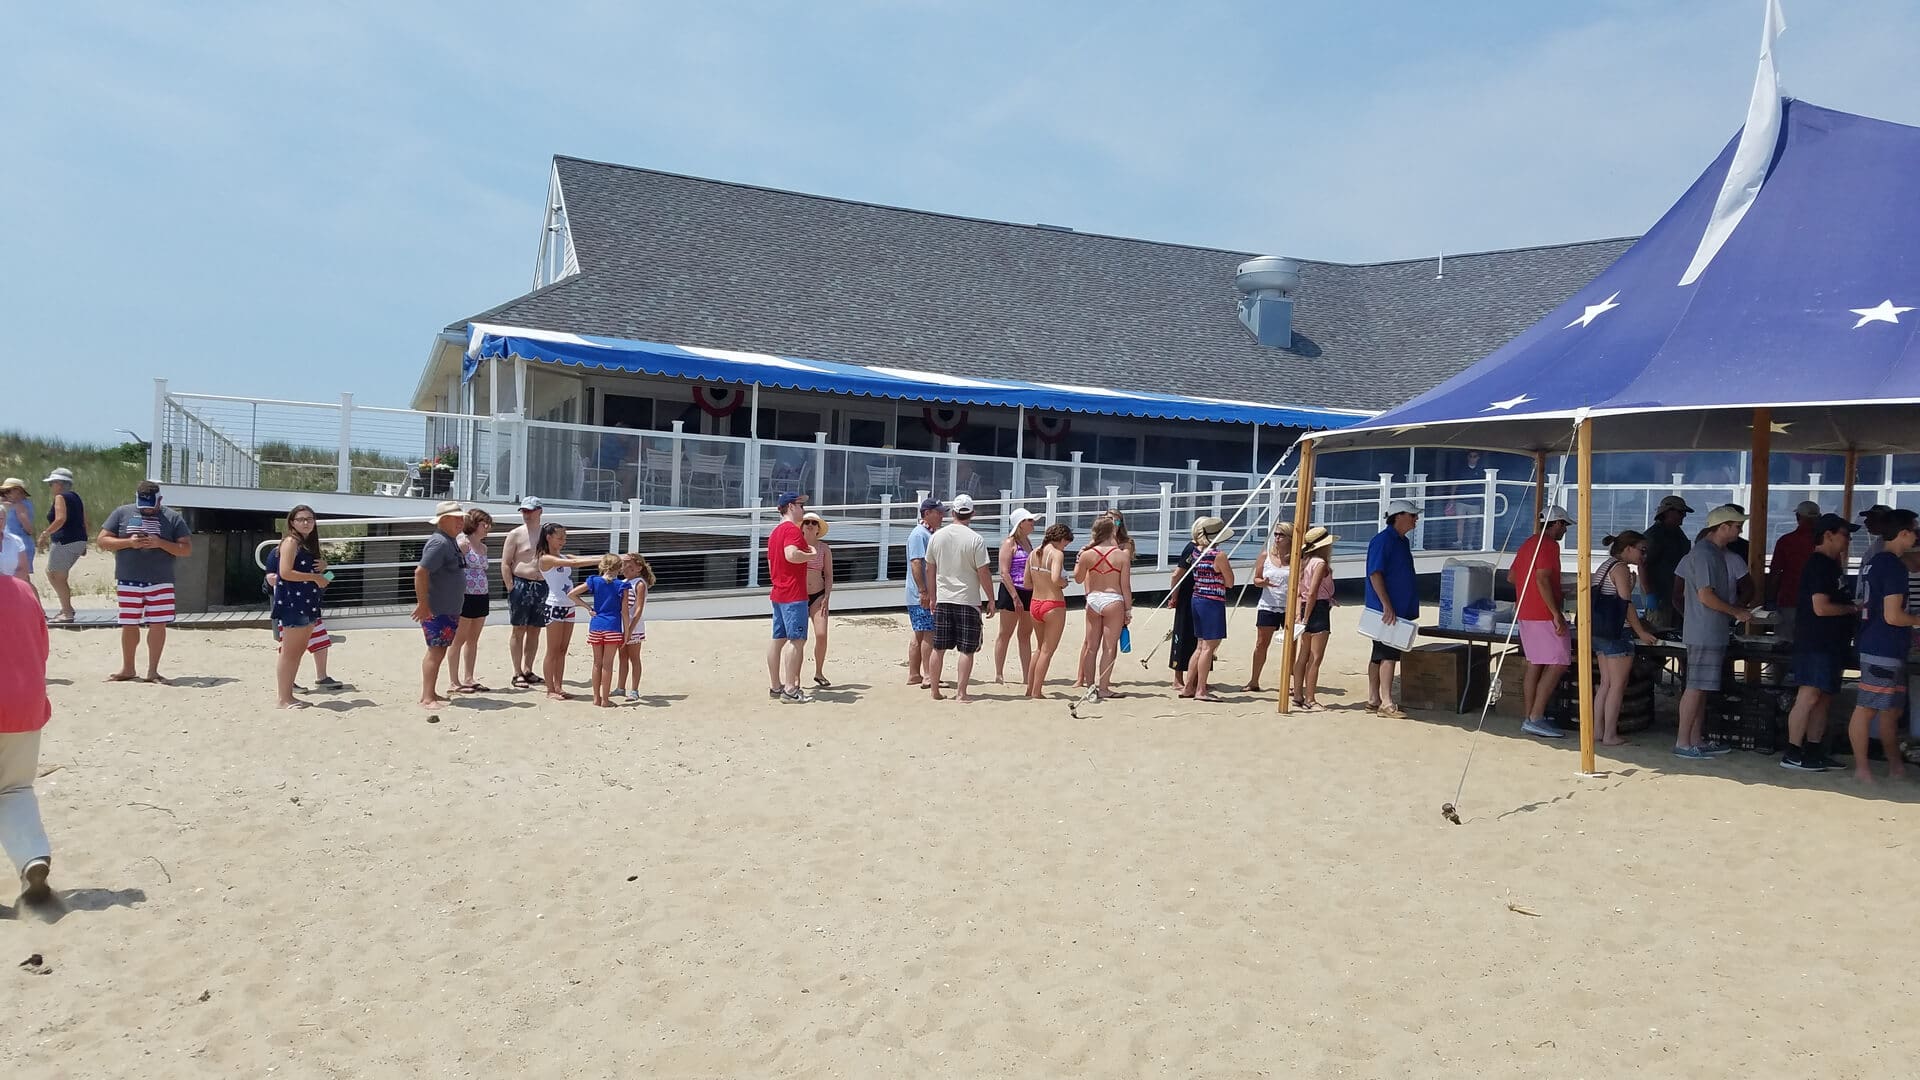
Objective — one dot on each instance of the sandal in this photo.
(1312, 706)
(296, 705)
(821, 680)
(1372, 706)
(1210, 698)
(1390, 713)
(520, 683)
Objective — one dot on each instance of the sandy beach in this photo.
(713, 884)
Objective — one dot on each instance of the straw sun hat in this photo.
(1211, 530)
(815, 519)
(1316, 539)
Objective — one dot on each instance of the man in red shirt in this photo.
(1535, 575)
(23, 712)
(787, 555)
(1790, 555)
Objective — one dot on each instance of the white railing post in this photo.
(1193, 475)
(1489, 520)
(1386, 496)
(1053, 502)
(920, 496)
(1277, 506)
(1075, 489)
(819, 468)
(1006, 511)
(616, 542)
(343, 479)
(1419, 493)
(1218, 486)
(953, 469)
(158, 446)
(633, 522)
(1166, 524)
(673, 486)
(886, 536)
(753, 548)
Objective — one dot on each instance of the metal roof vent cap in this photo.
(1266, 285)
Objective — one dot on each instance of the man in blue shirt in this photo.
(1886, 636)
(1391, 591)
(920, 590)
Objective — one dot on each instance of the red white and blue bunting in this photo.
(943, 420)
(719, 400)
(1049, 428)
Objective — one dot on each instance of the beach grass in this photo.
(105, 476)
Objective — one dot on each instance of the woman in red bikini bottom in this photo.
(1047, 577)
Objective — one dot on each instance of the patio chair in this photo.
(709, 475)
(882, 480)
(597, 484)
(656, 475)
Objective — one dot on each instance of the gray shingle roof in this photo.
(690, 261)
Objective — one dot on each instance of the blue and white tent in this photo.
(489, 342)
(1810, 306)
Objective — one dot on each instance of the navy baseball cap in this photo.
(1827, 523)
(145, 500)
(788, 498)
(932, 504)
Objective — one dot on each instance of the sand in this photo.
(711, 884)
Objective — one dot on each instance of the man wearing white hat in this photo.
(1704, 628)
(1535, 576)
(439, 591)
(1393, 591)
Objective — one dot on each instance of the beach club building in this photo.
(692, 347)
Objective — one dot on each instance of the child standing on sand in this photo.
(633, 622)
(604, 631)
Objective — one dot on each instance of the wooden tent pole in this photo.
(1846, 494)
(1583, 608)
(1757, 513)
(1539, 489)
(1302, 500)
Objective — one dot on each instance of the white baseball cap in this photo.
(962, 506)
(530, 503)
(1402, 506)
(1023, 514)
(1556, 513)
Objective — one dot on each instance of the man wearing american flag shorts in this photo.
(145, 538)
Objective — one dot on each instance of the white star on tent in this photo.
(1399, 431)
(1778, 427)
(1521, 399)
(1883, 312)
(1594, 311)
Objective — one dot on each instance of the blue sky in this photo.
(288, 200)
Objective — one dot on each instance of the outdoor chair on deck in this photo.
(656, 476)
(596, 484)
(709, 476)
(882, 480)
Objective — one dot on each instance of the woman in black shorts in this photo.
(1015, 598)
(1313, 600)
(474, 609)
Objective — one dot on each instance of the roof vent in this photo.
(1266, 285)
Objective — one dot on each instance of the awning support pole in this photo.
(751, 482)
(1846, 492)
(1253, 467)
(1539, 488)
(1583, 592)
(1019, 459)
(1759, 468)
(1302, 500)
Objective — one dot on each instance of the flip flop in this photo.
(157, 680)
(1391, 714)
(1209, 698)
(821, 680)
(296, 705)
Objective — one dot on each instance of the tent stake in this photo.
(1584, 592)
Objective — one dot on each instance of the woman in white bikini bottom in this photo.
(1101, 601)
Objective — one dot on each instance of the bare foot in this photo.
(557, 695)
(122, 676)
(434, 703)
(1254, 688)
(937, 696)
(295, 704)
(1616, 742)
(1863, 776)
(965, 699)
(156, 679)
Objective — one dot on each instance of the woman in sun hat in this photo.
(1313, 615)
(19, 524)
(1016, 597)
(1212, 578)
(65, 537)
(819, 590)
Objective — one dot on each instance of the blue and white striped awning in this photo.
(490, 342)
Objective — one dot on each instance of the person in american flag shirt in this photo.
(146, 539)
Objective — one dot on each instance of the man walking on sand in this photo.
(963, 590)
(920, 590)
(439, 591)
(145, 538)
(787, 555)
(24, 711)
(1535, 576)
(526, 592)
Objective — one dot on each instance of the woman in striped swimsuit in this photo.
(1212, 577)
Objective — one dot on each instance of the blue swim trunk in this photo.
(921, 618)
(1820, 670)
(439, 630)
(790, 621)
